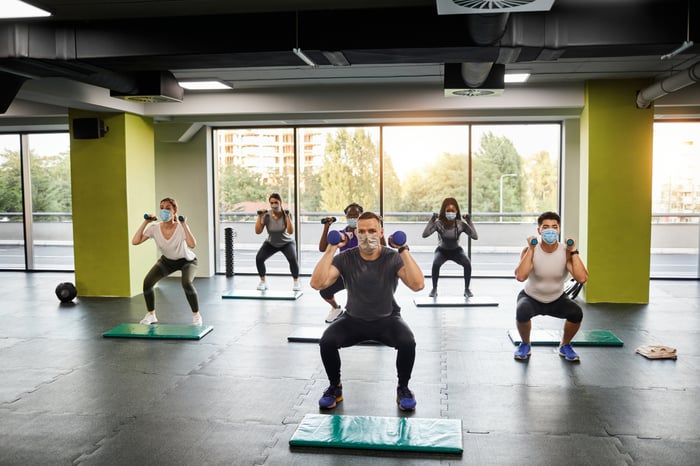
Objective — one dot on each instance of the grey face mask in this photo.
(450, 215)
(368, 243)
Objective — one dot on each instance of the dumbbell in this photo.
(335, 237)
(399, 238)
(260, 211)
(326, 220)
(533, 241)
(569, 242)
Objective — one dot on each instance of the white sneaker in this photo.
(297, 286)
(197, 319)
(333, 314)
(262, 286)
(149, 319)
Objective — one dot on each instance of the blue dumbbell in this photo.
(328, 219)
(148, 217)
(181, 218)
(533, 241)
(569, 242)
(399, 238)
(335, 237)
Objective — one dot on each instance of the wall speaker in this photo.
(89, 128)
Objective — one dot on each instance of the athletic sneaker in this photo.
(405, 399)
(149, 319)
(523, 351)
(331, 397)
(568, 353)
(197, 319)
(262, 286)
(468, 293)
(333, 314)
(297, 286)
(433, 293)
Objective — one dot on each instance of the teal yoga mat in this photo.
(379, 433)
(582, 338)
(159, 331)
(267, 294)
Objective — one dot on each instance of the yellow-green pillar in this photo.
(112, 182)
(616, 154)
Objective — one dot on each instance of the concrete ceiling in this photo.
(249, 43)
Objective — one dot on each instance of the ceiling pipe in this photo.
(671, 84)
(483, 30)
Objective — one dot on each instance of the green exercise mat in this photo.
(455, 301)
(313, 335)
(267, 294)
(159, 331)
(582, 338)
(379, 433)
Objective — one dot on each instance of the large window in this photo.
(503, 175)
(676, 200)
(36, 230)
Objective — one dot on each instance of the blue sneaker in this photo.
(568, 353)
(331, 397)
(405, 399)
(523, 352)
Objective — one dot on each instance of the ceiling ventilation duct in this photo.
(474, 79)
(152, 87)
(480, 7)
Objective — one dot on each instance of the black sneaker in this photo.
(433, 293)
(468, 293)
(331, 397)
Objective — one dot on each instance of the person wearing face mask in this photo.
(371, 273)
(352, 212)
(174, 239)
(544, 267)
(449, 226)
(280, 229)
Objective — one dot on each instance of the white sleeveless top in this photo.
(546, 280)
(174, 248)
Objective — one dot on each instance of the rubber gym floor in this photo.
(235, 397)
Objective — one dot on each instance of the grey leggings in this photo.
(162, 269)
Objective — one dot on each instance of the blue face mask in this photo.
(550, 236)
(352, 222)
(165, 215)
(450, 215)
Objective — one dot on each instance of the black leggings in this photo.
(267, 250)
(162, 269)
(329, 293)
(348, 331)
(456, 255)
(563, 308)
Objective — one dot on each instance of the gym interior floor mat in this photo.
(582, 338)
(455, 301)
(267, 294)
(159, 331)
(379, 433)
(313, 335)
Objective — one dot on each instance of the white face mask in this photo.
(450, 215)
(368, 243)
(352, 222)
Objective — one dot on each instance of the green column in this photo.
(112, 180)
(616, 162)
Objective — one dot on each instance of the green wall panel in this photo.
(618, 183)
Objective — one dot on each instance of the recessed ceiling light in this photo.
(516, 77)
(19, 9)
(204, 85)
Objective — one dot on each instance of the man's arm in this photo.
(574, 264)
(410, 273)
(522, 271)
(325, 273)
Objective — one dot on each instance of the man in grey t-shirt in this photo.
(371, 273)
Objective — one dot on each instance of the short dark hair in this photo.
(368, 215)
(549, 215)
